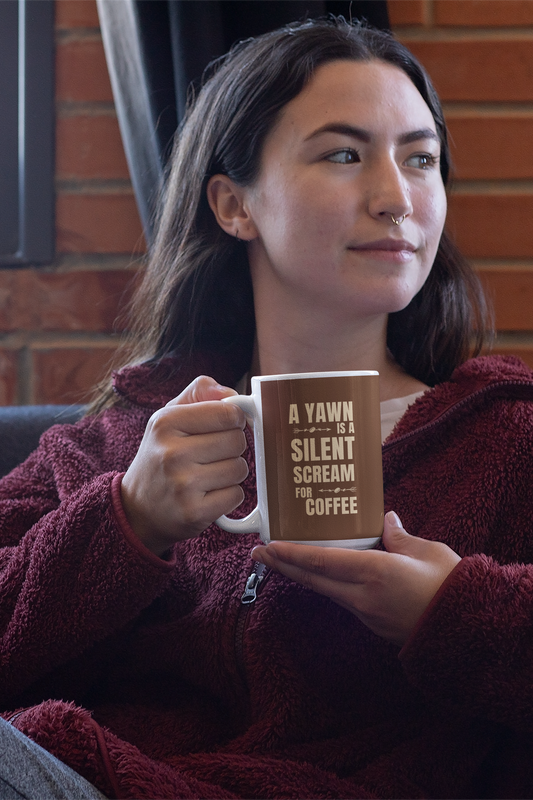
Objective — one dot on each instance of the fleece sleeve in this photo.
(71, 572)
(473, 647)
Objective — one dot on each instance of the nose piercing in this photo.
(399, 220)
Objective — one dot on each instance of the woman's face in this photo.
(355, 148)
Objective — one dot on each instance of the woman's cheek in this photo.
(437, 207)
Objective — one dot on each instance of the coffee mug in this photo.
(318, 459)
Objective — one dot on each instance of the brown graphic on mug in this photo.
(322, 439)
(318, 459)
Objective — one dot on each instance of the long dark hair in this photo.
(196, 294)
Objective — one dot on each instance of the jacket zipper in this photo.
(252, 588)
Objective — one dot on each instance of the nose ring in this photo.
(399, 220)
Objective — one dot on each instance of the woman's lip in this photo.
(393, 245)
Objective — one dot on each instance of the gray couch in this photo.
(22, 426)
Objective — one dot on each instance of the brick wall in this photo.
(57, 323)
(479, 54)
(57, 330)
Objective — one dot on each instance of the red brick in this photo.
(483, 13)
(479, 70)
(81, 71)
(492, 147)
(493, 226)
(511, 294)
(8, 377)
(521, 351)
(405, 12)
(99, 223)
(89, 147)
(75, 301)
(76, 14)
(68, 375)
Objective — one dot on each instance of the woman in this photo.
(301, 230)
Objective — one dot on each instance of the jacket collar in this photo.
(152, 384)
(505, 376)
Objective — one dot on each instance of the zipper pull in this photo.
(252, 584)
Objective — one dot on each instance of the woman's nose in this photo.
(389, 193)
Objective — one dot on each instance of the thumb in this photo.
(395, 537)
(202, 388)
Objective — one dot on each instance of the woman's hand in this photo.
(389, 591)
(188, 467)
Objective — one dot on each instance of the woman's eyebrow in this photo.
(363, 135)
(416, 136)
(344, 129)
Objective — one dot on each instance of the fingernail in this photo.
(394, 519)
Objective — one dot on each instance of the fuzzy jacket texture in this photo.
(152, 680)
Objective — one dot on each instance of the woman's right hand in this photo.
(188, 467)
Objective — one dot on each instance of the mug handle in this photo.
(252, 522)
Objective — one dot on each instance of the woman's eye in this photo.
(345, 156)
(422, 161)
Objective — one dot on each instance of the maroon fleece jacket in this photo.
(191, 694)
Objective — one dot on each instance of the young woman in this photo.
(302, 229)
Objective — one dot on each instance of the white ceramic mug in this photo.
(318, 459)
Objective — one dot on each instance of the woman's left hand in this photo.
(389, 591)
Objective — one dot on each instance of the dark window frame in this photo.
(27, 234)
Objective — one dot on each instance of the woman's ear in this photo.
(226, 200)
